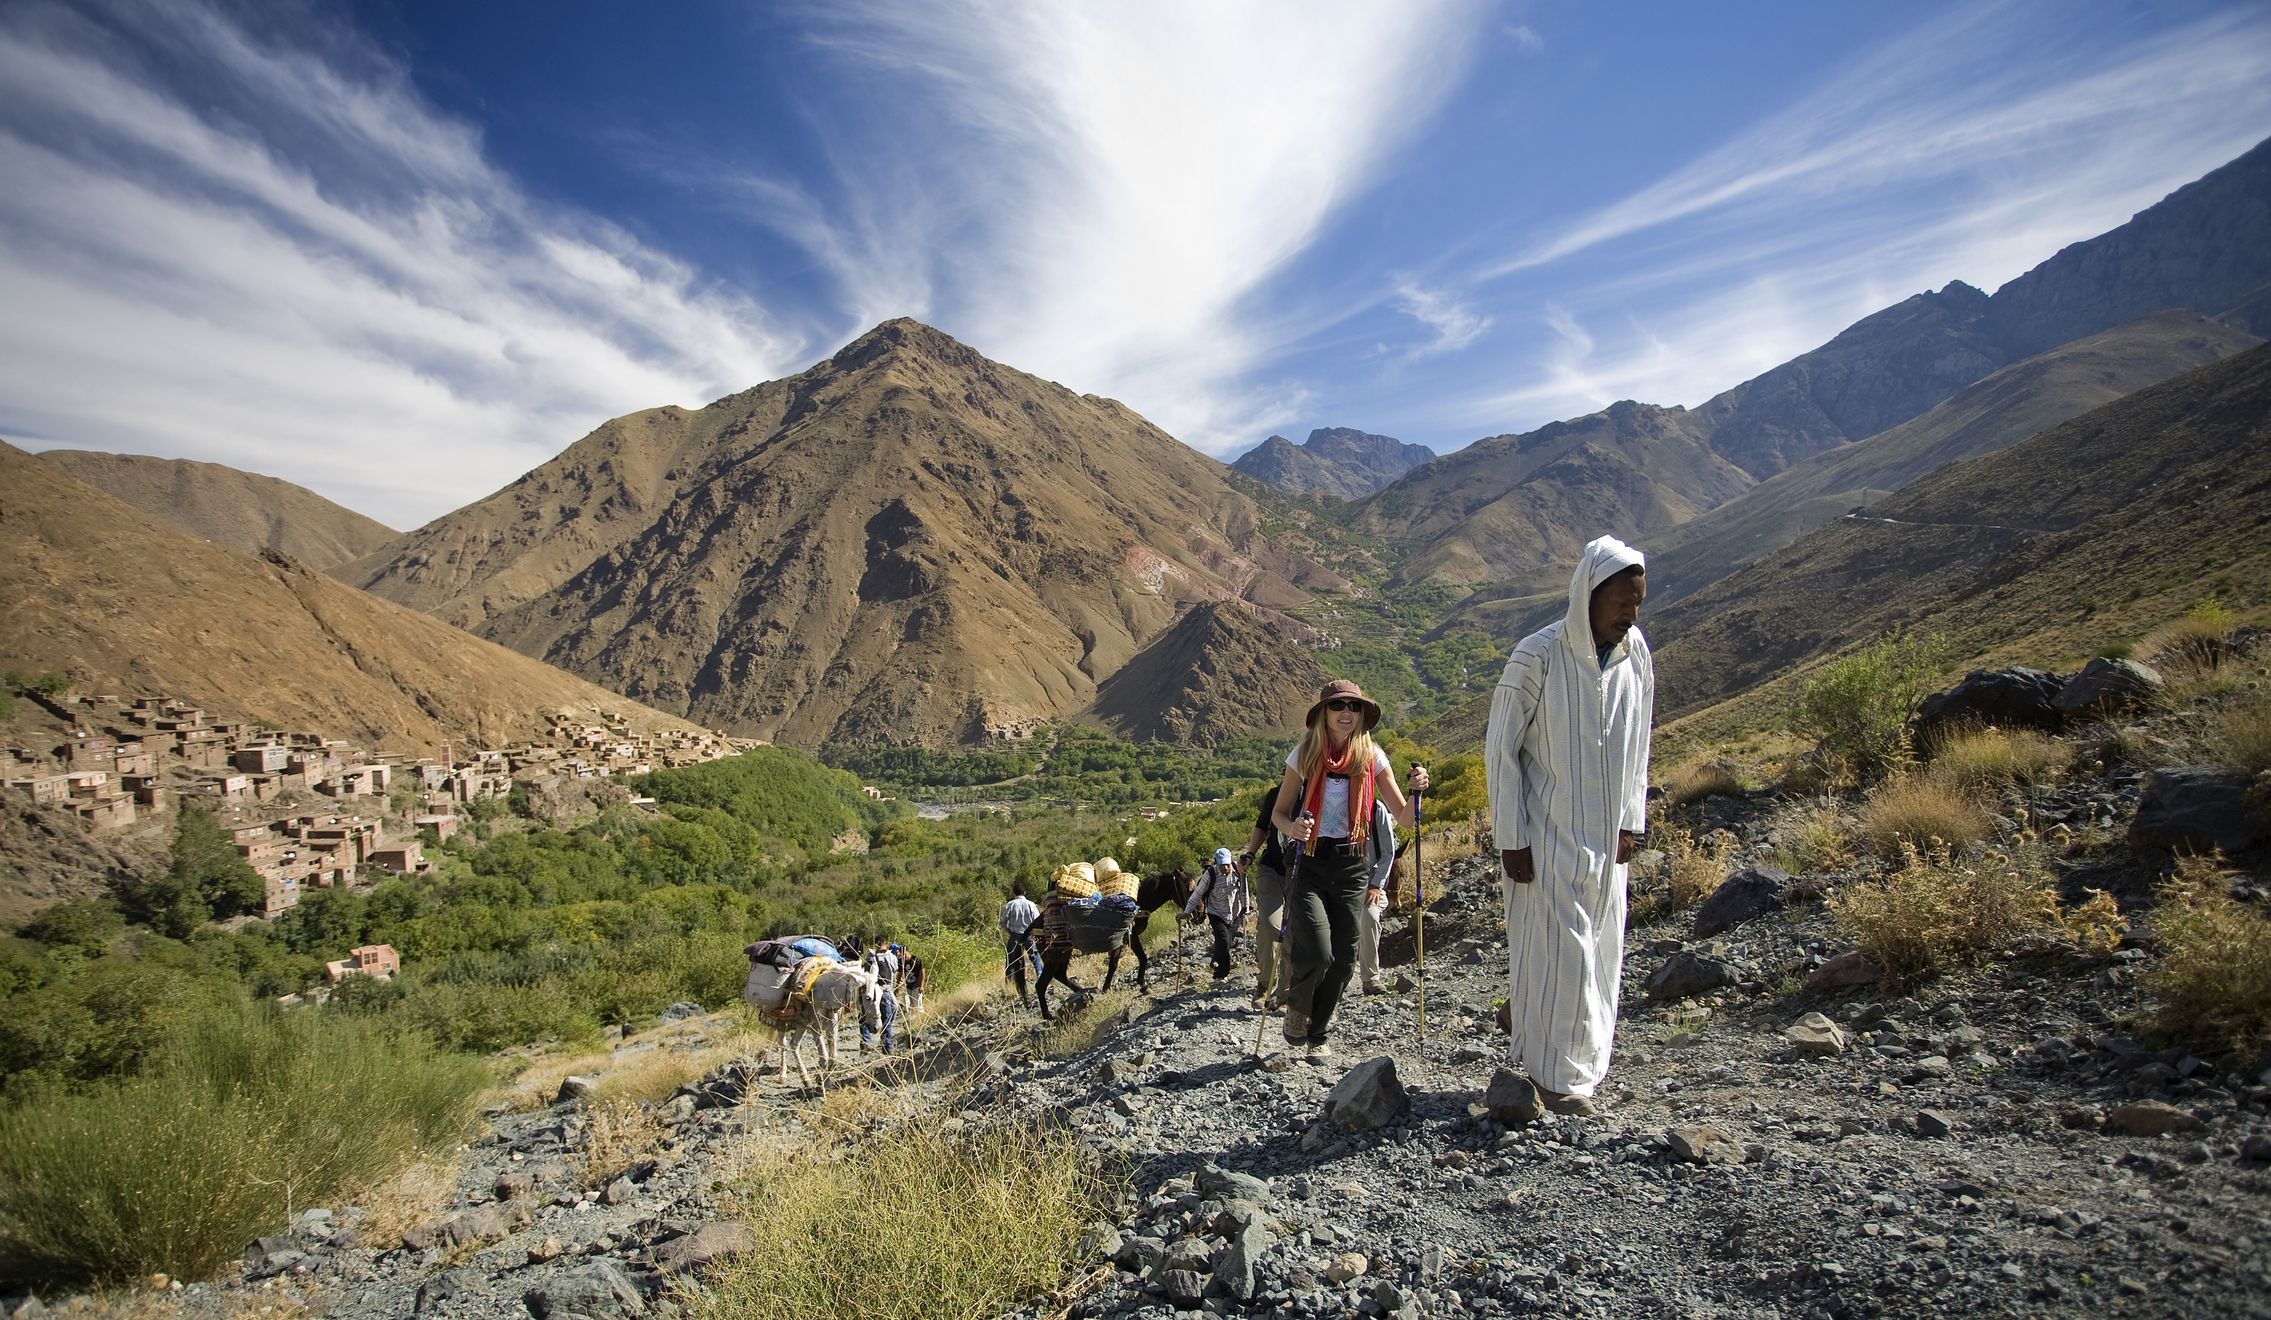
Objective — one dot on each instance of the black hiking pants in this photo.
(1321, 925)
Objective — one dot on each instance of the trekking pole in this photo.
(1419, 901)
(1284, 956)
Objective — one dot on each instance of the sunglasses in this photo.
(1344, 703)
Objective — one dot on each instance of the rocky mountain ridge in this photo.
(242, 511)
(1334, 460)
(118, 600)
(906, 543)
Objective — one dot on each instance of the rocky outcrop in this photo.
(2016, 697)
(1221, 672)
(1334, 460)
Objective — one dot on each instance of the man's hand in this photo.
(1516, 861)
(1627, 844)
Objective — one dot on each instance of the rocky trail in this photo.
(1999, 1142)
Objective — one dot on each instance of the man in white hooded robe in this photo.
(1567, 764)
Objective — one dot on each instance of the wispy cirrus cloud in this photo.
(1942, 156)
(1101, 190)
(1454, 324)
(283, 258)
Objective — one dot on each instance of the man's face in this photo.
(1616, 606)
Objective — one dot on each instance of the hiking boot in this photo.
(1296, 1027)
(1558, 1103)
(1319, 1050)
(1375, 987)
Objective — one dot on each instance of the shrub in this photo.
(1913, 811)
(1981, 763)
(2212, 975)
(2185, 647)
(617, 1134)
(249, 1117)
(1693, 867)
(1811, 839)
(1857, 707)
(1938, 910)
(2239, 734)
(913, 1223)
(1693, 783)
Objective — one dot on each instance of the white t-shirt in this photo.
(1332, 813)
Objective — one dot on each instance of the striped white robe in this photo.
(1567, 764)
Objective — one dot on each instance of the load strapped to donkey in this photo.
(1090, 908)
(781, 975)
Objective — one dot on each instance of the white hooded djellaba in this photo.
(1567, 764)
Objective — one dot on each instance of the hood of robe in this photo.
(1601, 560)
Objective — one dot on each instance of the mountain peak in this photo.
(1334, 460)
(902, 336)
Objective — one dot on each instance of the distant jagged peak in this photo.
(1334, 460)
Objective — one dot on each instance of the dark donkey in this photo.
(1152, 894)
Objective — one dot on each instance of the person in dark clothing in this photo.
(1222, 895)
(1333, 778)
(1264, 860)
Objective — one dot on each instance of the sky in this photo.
(402, 251)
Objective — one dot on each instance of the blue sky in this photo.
(402, 251)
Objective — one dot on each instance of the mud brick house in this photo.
(282, 894)
(262, 760)
(403, 858)
(377, 961)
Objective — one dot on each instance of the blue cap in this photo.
(1222, 857)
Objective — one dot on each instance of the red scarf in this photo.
(1359, 790)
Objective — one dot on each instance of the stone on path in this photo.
(1513, 1099)
(448, 1286)
(1688, 974)
(1933, 1123)
(575, 1087)
(1185, 1288)
(718, 1240)
(1348, 1265)
(1229, 1185)
(1701, 1143)
(2150, 1118)
(1816, 1036)
(1369, 1097)
(1849, 968)
(1739, 898)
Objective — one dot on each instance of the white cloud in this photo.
(1455, 324)
(1527, 38)
(1942, 157)
(1106, 187)
(308, 272)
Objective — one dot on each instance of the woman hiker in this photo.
(1335, 779)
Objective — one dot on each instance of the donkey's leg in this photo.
(1111, 969)
(1143, 964)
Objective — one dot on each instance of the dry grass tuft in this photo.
(1694, 865)
(1982, 763)
(617, 1134)
(421, 1191)
(2200, 640)
(2239, 734)
(1812, 839)
(915, 1222)
(2212, 975)
(1938, 910)
(538, 1081)
(1693, 783)
(1912, 812)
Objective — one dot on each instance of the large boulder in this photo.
(1513, 1099)
(2024, 698)
(1371, 1096)
(1739, 898)
(2107, 686)
(2197, 809)
(1688, 974)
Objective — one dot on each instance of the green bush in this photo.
(249, 1117)
(1857, 707)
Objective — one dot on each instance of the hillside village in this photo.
(306, 810)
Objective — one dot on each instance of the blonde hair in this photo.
(1312, 750)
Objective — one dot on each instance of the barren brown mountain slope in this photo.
(2006, 407)
(1220, 672)
(1510, 512)
(234, 509)
(2072, 539)
(907, 542)
(116, 598)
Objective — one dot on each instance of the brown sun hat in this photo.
(1339, 688)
